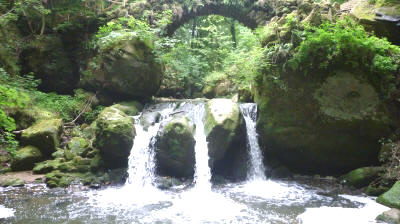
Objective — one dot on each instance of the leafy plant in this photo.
(9, 98)
(348, 45)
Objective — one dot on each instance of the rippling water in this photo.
(248, 202)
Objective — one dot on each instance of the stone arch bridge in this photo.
(250, 13)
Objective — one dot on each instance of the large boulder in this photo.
(391, 198)
(226, 137)
(27, 116)
(362, 177)
(322, 126)
(25, 158)
(382, 19)
(45, 135)
(49, 61)
(115, 132)
(127, 69)
(175, 148)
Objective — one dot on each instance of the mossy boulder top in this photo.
(377, 17)
(223, 126)
(391, 198)
(114, 132)
(361, 177)
(128, 69)
(175, 154)
(45, 135)
(130, 108)
(328, 126)
(26, 158)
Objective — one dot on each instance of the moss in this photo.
(114, 136)
(130, 108)
(25, 117)
(26, 158)
(221, 125)
(391, 198)
(47, 166)
(45, 135)
(79, 146)
(175, 148)
(129, 69)
(362, 177)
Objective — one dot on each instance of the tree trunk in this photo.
(233, 33)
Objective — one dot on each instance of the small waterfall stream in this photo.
(141, 164)
(256, 166)
(202, 175)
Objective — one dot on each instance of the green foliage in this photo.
(9, 98)
(349, 46)
(202, 53)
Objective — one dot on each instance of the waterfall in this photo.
(256, 169)
(141, 165)
(141, 162)
(202, 174)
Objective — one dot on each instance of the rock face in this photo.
(48, 60)
(44, 135)
(79, 146)
(362, 177)
(326, 127)
(392, 197)
(175, 148)
(391, 216)
(114, 136)
(128, 69)
(226, 137)
(26, 158)
(382, 19)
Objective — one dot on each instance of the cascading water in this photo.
(141, 164)
(202, 175)
(256, 166)
(255, 201)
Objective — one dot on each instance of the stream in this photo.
(304, 200)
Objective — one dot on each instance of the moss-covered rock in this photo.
(114, 136)
(48, 60)
(222, 125)
(391, 216)
(127, 69)
(47, 166)
(44, 134)
(226, 137)
(391, 198)
(79, 146)
(13, 182)
(175, 148)
(376, 17)
(325, 126)
(375, 189)
(25, 158)
(362, 177)
(25, 117)
(130, 108)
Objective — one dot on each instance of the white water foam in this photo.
(334, 215)
(6, 212)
